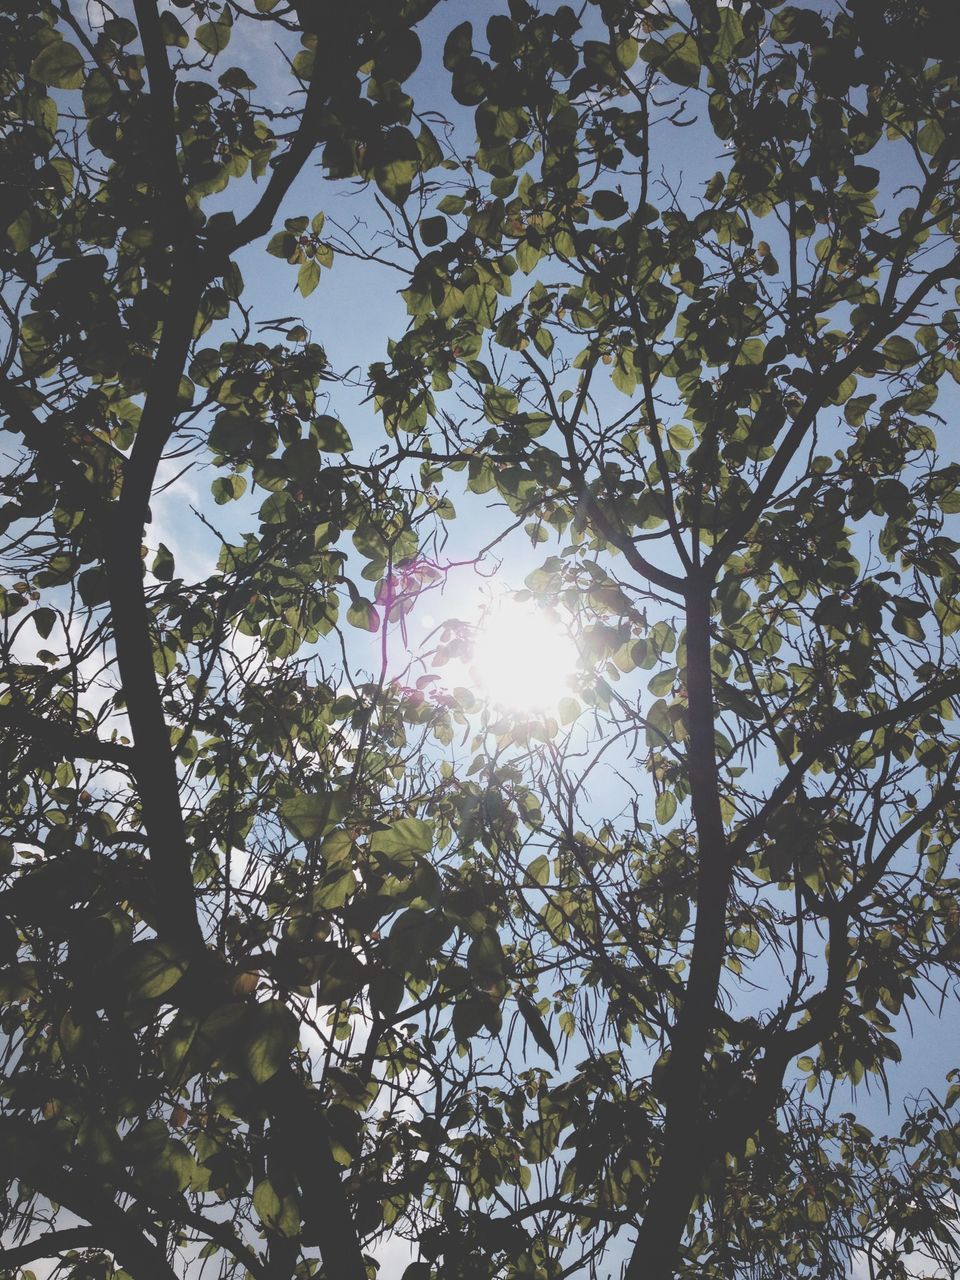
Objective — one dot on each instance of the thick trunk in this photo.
(299, 1141)
(681, 1167)
(153, 762)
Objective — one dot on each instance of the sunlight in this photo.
(522, 659)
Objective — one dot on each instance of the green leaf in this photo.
(232, 432)
(44, 620)
(270, 1039)
(528, 255)
(405, 835)
(120, 30)
(627, 51)
(227, 488)
(65, 171)
(417, 1271)
(213, 36)
(907, 624)
(458, 45)
(931, 137)
(677, 57)
(537, 1027)
(144, 1143)
(59, 65)
(99, 93)
(397, 165)
(539, 869)
(844, 390)
(278, 1213)
(569, 710)
(468, 85)
(152, 969)
(163, 565)
(659, 724)
(472, 1015)
(433, 230)
(608, 205)
(662, 683)
(899, 352)
(330, 434)
(334, 891)
(282, 244)
(680, 437)
(730, 34)
(301, 460)
(863, 178)
(452, 205)
(363, 614)
(237, 79)
(485, 959)
(386, 992)
(18, 231)
(666, 806)
(173, 33)
(308, 277)
(793, 25)
(309, 816)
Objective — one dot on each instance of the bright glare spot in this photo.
(522, 660)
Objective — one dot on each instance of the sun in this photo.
(523, 660)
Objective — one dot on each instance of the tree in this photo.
(208, 840)
(760, 522)
(180, 809)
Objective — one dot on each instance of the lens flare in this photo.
(523, 660)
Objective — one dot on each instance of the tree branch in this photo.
(162, 89)
(260, 219)
(39, 1159)
(153, 761)
(299, 1135)
(828, 380)
(847, 729)
(71, 745)
(617, 538)
(658, 1240)
(48, 1246)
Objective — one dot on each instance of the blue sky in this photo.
(353, 312)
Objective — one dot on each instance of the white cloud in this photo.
(393, 1255)
(97, 14)
(195, 549)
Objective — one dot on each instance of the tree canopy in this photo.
(309, 952)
